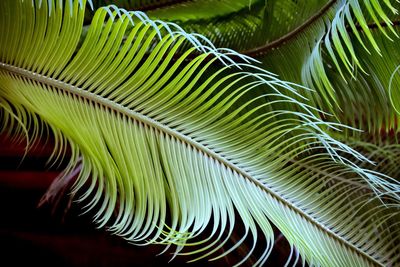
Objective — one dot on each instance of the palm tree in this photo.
(169, 133)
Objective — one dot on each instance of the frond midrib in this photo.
(186, 139)
(262, 50)
(156, 5)
(374, 25)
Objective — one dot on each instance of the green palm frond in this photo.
(241, 30)
(331, 42)
(339, 46)
(386, 155)
(362, 94)
(166, 145)
(373, 107)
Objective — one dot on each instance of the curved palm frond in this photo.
(331, 41)
(340, 48)
(365, 92)
(239, 30)
(158, 137)
(374, 107)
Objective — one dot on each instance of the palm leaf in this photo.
(343, 44)
(366, 96)
(165, 146)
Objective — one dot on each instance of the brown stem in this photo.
(262, 50)
(162, 5)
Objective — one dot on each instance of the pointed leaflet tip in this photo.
(49, 3)
(71, 7)
(153, 24)
(165, 25)
(130, 18)
(117, 9)
(91, 4)
(109, 12)
(390, 90)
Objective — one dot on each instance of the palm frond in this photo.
(373, 107)
(334, 38)
(366, 97)
(339, 46)
(241, 30)
(170, 145)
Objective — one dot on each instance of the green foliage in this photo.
(169, 133)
